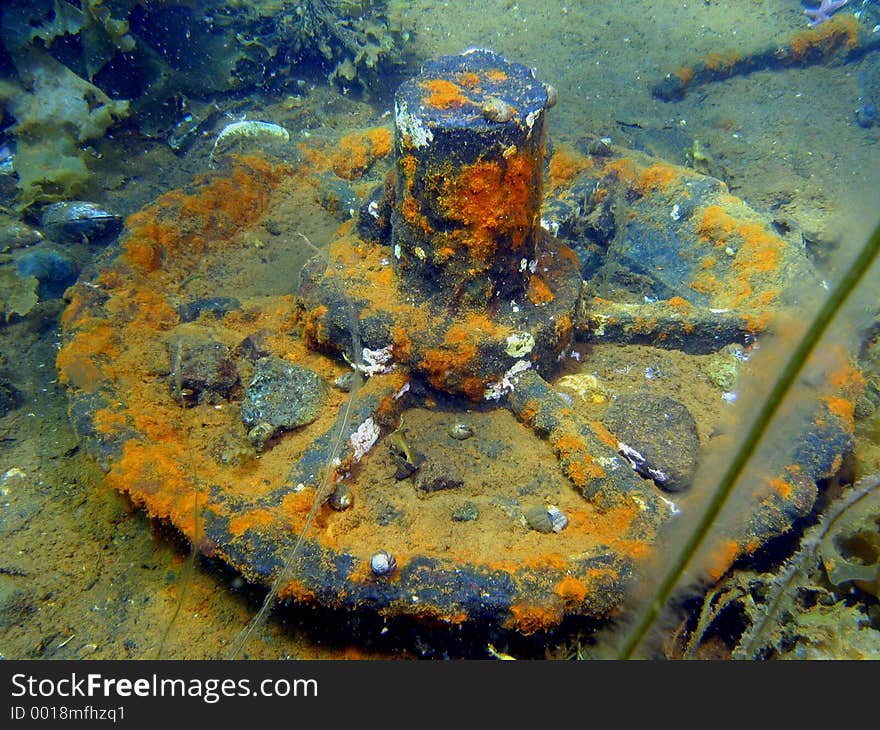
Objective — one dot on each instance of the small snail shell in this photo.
(461, 431)
(551, 96)
(383, 563)
(342, 498)
(497, 110)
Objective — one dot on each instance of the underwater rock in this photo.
(283, 395)
(722, 367)
(54, 269)
(437, 477)
(658, 436)
(203, 371)
(338, 197)
(468, 512)
(545, 518)
(460, 431)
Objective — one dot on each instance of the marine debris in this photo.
(502, 500)
(841, 39)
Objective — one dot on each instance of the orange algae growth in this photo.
(357, 151)
(154, 477)
(715, 223)
(781, 486)
(758, 252)
(255, 519)
(624, 169)
(655, 177)
(565, 165)
(603, 434)
(468, 79)
(722, 558)
(679, 303)
(571, 590)
(841, 31)
(584, 470)
(756, 323)
(444, 94)
(496, 74)
(721, 62)
(314, 332)
(493, 202)
(760, 249)
(844, 409)
(567, 444)
(443, 363)
(110, 422)
(187, 223)
(402, 344)
(849, 379)
(86, 360)
(685, 74)
(529, 619)
(539, 292)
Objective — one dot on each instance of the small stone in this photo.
(344, 382)
(658, 436)
(468, 512)
(461, 431)
(70, 221)
(497, 110)
(284, 395)
(599, 148)
(538, 518)
(546, 519)
(864, 407)
(434, 477)
(722, 368)
(202, 370)
(260, 434)
(252, 347)
(558, 518)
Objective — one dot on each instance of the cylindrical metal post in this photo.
(469, 154)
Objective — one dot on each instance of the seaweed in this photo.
(99, 34)
(18, 294)
(357, 40)
(56, 112)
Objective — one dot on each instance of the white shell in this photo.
(383, 563)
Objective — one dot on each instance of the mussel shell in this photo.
(16, 234)
(70, 221)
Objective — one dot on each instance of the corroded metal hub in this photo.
(203, 386)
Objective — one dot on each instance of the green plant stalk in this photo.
(826, 314)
